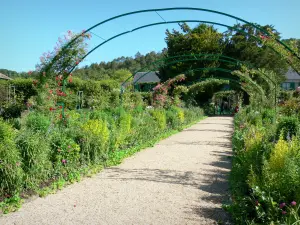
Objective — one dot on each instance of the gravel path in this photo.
(181, 180)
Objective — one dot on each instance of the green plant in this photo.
(37, 122)
(36, 162)
(95, 141)
(287, 127)
(11, 204)
(10, 161)
(160, 118)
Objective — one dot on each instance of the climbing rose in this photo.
(64, 161)
(283, 212)
(293, 203)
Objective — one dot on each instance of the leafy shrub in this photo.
(254, 118)
(65, 153)
(35, 151)
(287, 127)
(96, 136)
(10, 161)
(291, 107)
(37, 122)
(160, 118)
(268, 116)
(192, 114)
(175, 117)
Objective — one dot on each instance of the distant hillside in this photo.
(105, 70)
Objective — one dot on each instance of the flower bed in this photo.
(40, 155)
(265, 176)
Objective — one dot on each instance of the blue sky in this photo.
(30, 28)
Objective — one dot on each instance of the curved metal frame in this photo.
(236, 62)
(192, 58)
(170, 22)
(194, 9)
(165, 22)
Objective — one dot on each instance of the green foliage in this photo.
(37, 122)
(199, 40)
(95, 138)
(118, 68)
(291, 107)
(287, 127)
(35, 152)
(265, 174)
(10, 161)
(160, 117)
(89, 141)
(175, 117)
(11, 204)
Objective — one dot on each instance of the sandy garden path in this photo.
(181, 180)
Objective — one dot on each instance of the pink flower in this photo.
(293, 203)
(281, 205)
(64, 161)
(29, 72)
(69, 146)
(283, 212)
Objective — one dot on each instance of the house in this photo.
(4, 77)
(292, 80)
(145, 81)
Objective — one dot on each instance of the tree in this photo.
(250, 49)
(203, 39)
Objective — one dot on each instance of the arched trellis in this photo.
(231, 72)
(258, 27)
(186, 58)
(255, 85)
(194, 58)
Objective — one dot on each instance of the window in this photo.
(286, 86)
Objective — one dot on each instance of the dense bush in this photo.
(38, 122)
(35, 153)
(10, 161)
(287, 127)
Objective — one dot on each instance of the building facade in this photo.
(292, 80)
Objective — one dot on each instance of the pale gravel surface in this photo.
(181, 180)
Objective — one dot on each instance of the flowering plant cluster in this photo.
(67, 54)
(161, 96)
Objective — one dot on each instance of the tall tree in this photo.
(202, 39)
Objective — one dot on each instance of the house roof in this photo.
(292, 75)
(4, 77)
(142, 77)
